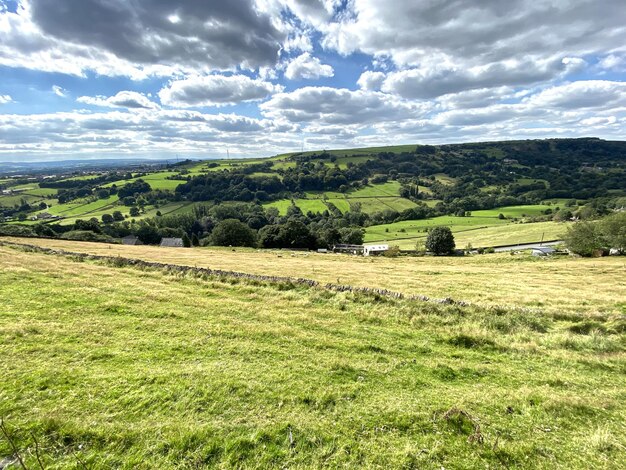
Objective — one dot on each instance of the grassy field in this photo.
(358, 151)
(110, 367)
(16, 199)
(477, 236)
(515, 211)
(418, 228)
(555, 285)
(511, 234)
(157, 180)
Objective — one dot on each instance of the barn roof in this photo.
(131, 240)
(172, 242)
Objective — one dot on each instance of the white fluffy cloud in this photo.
(123, 99)
(333, 106)
(486, 32)
(370, 80)
(215, 90)
(435, 81)
(305, 66)
(581, 95)
(5, 99)
(154, 132)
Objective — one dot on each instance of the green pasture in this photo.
(16, 199)
(119, 367)
(515, 211)
(157, 180)
(419, 228)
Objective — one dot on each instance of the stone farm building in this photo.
(131, 240)
(172, 242)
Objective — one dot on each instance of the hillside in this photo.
(381, 190)
(556, 285)
(206, 372)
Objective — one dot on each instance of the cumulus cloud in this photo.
(121, 132)
(371, 80)
(613, 62)
(486, 32)
(5, 99)
(215, 90)
(138, 38)
(306, 66)
(299, 42)
(123, 99)
(436, 81)
(326, 105)
(581, 95)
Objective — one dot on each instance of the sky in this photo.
(207, 78)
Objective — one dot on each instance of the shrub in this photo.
(392, 252)
(87, 236)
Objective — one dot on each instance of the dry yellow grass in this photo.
(558, 284)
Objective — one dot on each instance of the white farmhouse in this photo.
(373, 250)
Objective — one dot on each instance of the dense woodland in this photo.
(229, 210)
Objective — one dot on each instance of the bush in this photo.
(87, 236)
(16, 231)
(440, 241)
(392, 252)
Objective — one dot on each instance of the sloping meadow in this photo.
(107, 365)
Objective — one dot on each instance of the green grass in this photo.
(305, 205)
(365, 151)
(282, 205)
(82, 178)
(391, 188)
(342, 204)
(515, 211)
(16, 199)
(42, 192)
(314, 205)
(371, 205)
(512, 234)
(210, 374)
(157, 180)
(418, 228)
(482, 236)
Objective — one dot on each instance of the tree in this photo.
(186, 241)
(613, 230)
(107, 218)
(194, 240)
(134, 211)
(233, 232)
(583, 238)
(295, 234)
(352, 236)
(269, 236)
(149, 234)
(118, 216)
(440, 241)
